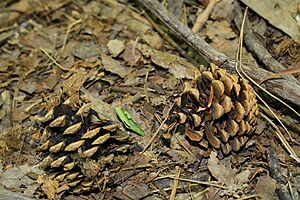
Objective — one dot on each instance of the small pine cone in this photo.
(217, 110)
(78, 148)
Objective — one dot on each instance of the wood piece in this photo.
(287, 90)
(203, 16)
(255, 46)
(275, 172)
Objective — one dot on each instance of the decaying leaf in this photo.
(115, 47)
(224, 173)
(48, 186)
(19, 180)
(114, 66)
(86, 50)
(266, 187)
(281, 16)
(176, 65)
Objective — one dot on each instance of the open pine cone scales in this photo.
(217, 110)
(77, 146)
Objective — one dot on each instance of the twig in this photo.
(285, 120)
(146, 86)
(175, 183)
(194, 181)
(54, 61)
(275, 173)
(131, 90)
(155, 135)
(157, 131)
(282, 139)
(248, 197)
(67, 33)
(203, 16)
(168, 189)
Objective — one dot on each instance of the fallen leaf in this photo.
(86, 50)
(38, 40)
(114, 66)
(145, 32)
(224, 173)
(176, 65)
(265, 188)
(17, 179)
(48, 186)
(115, 47)
(281, 16)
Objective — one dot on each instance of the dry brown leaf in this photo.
(223, 172)
(115, 47)
(18, 179)
(38, 40)
(281, 16)
(48, 186)
(176, 65)
(86, 50)
(114, 66)
(265, 188)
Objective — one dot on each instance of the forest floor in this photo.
(115, 52)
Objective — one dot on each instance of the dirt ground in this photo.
(115, 52)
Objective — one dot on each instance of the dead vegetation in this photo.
(132, 82)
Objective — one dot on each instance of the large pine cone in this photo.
(79, 149)
(217, 110)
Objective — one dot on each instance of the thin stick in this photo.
(175, 183)
(154, 136)
(146, 86)
(157, 131)
(282, 139)
(203, 16)
(54, 61)
(248, 197)
(194, 181)
(68, 32)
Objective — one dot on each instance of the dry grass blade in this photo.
(54, 61)
(68, 31)
(194, 181)
(157, 131)
(175, 183)
(248, 197)
(291, 70)
(282, 139)
(241, 73)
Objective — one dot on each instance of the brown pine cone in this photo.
(79, 149)
(217, 110)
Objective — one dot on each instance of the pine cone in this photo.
(217, 110)
(78, 148)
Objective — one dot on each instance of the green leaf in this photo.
(128, 121)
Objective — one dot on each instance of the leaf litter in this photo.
(116, 58)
